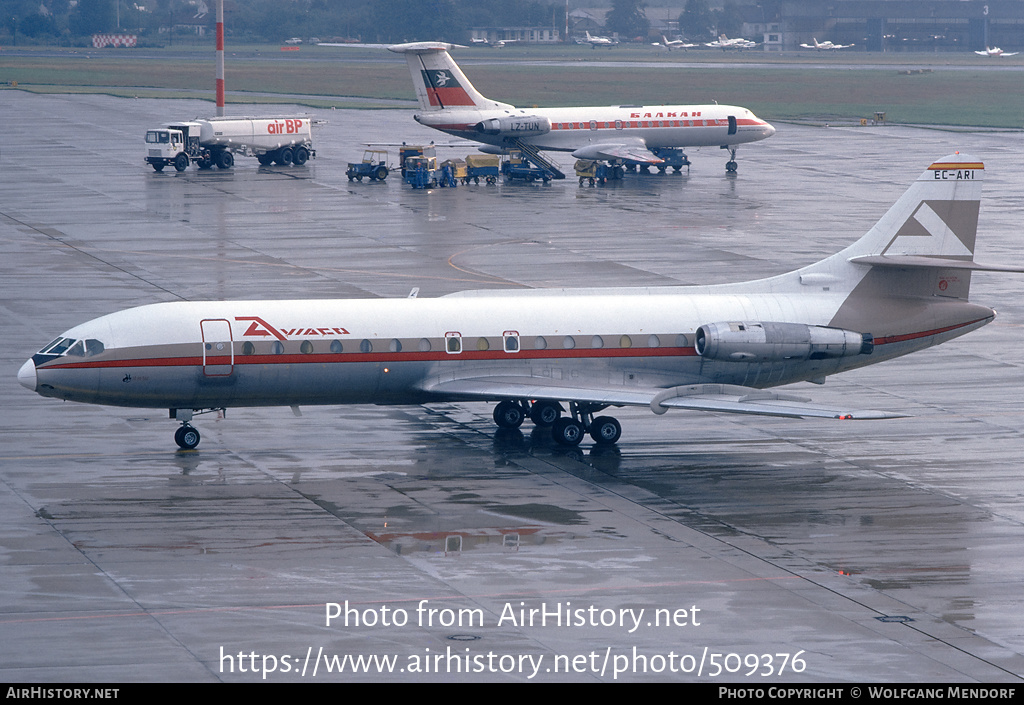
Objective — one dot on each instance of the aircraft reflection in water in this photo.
(901, 288)
(450, 103)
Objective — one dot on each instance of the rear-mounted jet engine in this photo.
(765, 341)
(514, 126)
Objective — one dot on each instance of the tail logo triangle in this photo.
(938, 228)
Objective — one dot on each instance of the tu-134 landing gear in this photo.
(731, 166)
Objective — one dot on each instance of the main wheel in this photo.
(605, 430)
(567, 432)
(225, 159)
(381, 172)
(181, 162)
(301, 156)
(508, 414)
(545, 413)
(187, 437)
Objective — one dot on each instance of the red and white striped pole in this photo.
(220, 58)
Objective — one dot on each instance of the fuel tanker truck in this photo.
(215, 141)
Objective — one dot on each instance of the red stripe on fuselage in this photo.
(914, 336)
(385, 357)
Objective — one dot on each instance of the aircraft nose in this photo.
(27, 375)
(768, 130)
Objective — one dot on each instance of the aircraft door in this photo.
(218, 350)
(732, 124)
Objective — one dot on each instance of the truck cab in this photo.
(177, 145)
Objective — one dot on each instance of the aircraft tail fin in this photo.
(924, 244)
(439, 82)
(936, 217)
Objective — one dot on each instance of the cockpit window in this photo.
(58, 347)
(77, 348)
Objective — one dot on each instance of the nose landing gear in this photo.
(187, 437)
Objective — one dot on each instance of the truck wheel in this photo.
(265, 159)
(158, 167)
(380, 173)
(181, 162)
(285, 156)
(225, 159)
(301, 156)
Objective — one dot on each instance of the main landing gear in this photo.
(566, 430)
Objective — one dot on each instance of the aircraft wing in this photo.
(698, 397)
(635, 150)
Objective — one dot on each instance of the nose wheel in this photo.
(731, 166)
(187, 437)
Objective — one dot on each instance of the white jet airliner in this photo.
(901, 288)
(450, 103)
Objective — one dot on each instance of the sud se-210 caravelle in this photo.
(900, 288)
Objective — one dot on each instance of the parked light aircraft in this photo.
(724, 42)
(901, 288)
(450, 103)
(673, 44)
(996, 51)
(825, 45)
(596, 42)
(496, 44)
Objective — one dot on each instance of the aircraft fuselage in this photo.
(569, 129)
(382, 351)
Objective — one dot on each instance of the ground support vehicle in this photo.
(374, 166)
(423, 172)
(672, 158)
(215, 141)
(456, 169)
(517, 165)
(411, 150)
(482, 166)
(595, 172)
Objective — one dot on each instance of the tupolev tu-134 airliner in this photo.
(450, 103)
(900, 288)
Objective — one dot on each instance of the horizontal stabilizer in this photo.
(921, 262)
(702, 397)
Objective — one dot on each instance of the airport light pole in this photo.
(220, 58)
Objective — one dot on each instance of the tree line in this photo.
(382, 21)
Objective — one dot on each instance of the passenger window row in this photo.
(454, 344)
